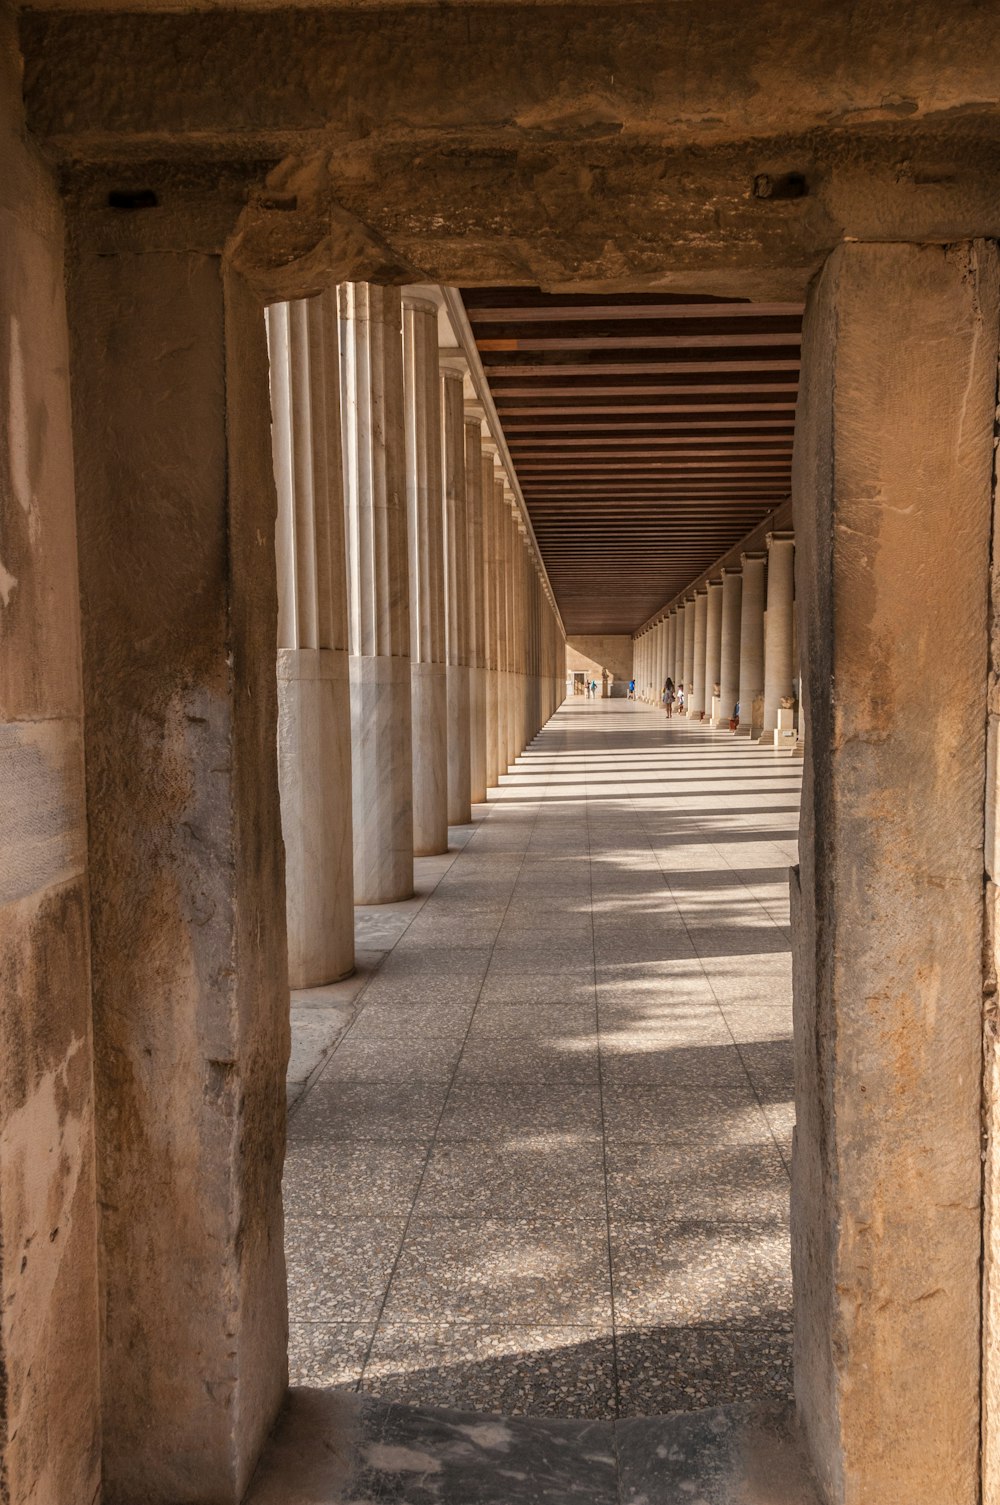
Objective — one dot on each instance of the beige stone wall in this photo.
(176, 511)
(892, 485)
(612, 651)
(49, 1415)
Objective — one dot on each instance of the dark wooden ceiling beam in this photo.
(649, 433)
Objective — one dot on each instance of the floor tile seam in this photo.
(427, 1160)
(616, 1377)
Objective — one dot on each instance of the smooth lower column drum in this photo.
(456, 596)
(371, 349)
(314, 702)
(425, 546)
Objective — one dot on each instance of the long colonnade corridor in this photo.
(539, 1147)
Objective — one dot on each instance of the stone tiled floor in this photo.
(538, 1150)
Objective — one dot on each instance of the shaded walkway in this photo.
(543, 1168)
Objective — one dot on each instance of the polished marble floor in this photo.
(538, 1147)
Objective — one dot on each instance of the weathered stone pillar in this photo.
(689, 631)
(751, 635)
(314, 697)
(713, 649)
(371, 352)
(671, 645)
(50, 1401)
(457, 594)
(176, 511)
(425, 530)
(729, 657)
(892, 488)
(779, 661)
(697, 706)
(475, 461)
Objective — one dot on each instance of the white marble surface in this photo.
(477, 734)
(314, 780)
(382, 779)
(430, 758)
(459, 746)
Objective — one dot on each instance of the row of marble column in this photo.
(728, 643)
(418, 651)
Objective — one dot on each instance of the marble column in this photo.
(425, 532)
(729, 659)
(371, 352)
(175, 508)
(697, 706)
(893, 498)
(751, 635)
(680, 612)
(779, 653)
(689, 631)
(475, 461)
(512, 544)
(457, 594)
(490, 619)
(314, 697)
(713, 649)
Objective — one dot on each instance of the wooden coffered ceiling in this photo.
(649, 434)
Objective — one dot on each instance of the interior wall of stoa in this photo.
(892, 488)
(610, 651)
(49, 1404)
(176, 513)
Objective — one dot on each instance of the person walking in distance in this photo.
(668, 697)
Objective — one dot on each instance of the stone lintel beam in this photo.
(618, 184)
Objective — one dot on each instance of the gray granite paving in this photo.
(539, 1146)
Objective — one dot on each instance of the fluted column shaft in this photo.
(751, 635)
(713, 643)
(729, 659)
(779, 652)
(425, 508)
(457, 553)
(475, 461)
(314, 703)
(371, 349)
(671, 645)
